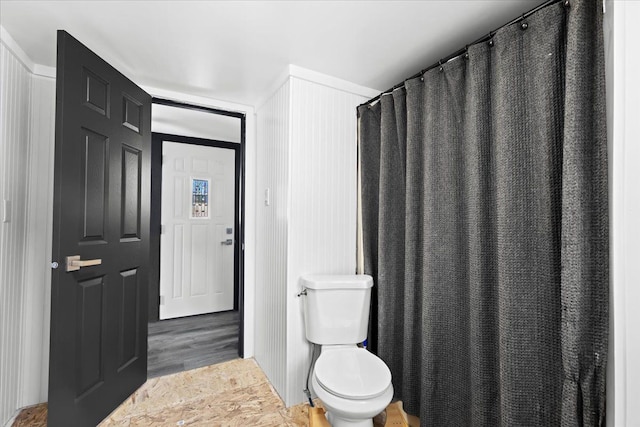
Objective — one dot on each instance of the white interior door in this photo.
(197, 238)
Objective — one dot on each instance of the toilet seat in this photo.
(352, 373)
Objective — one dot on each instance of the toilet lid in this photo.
(352, 373)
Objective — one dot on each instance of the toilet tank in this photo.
(336, 308)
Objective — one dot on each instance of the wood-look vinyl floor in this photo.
(186, 343)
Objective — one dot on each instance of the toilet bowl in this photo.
(353, 384)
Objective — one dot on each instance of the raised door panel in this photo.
(130, 192)
(96, 92)
(129, 339)
(90, 341)
(95, 177)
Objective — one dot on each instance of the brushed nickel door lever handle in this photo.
(74, 263)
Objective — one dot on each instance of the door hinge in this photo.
(161, 299)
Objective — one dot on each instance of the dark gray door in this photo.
(101, 217)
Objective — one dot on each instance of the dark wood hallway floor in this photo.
(186, 343)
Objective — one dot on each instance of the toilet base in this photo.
(337, 421)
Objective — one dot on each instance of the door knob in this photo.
(227, 242)
(74, 263)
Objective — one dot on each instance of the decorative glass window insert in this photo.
(199, 198)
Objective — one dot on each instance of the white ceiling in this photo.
(236, 50)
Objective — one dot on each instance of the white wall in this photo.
(623, 86)
(16, 92)
(272, 216)
(322, 212)
(26, 147)
(37, 281)
(307, 161)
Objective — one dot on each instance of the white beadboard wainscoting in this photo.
(16, 92)
(322, 207)
(273, 123)
(26, 167)
(39, 216)
(306, 212)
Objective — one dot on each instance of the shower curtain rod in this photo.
(463, 50)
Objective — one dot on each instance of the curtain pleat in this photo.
(484, 214)
(585, 231)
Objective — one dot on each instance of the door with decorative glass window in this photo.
(197, 237)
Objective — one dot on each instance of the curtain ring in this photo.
(441, 67)
(567, 3)
(466, 52)
(491, 39)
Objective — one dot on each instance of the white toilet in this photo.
(353, 384)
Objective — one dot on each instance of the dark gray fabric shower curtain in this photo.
(485, 227)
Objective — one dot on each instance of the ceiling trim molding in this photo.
(315, 77)
(44, 71)
(13, 46)
(20, 54)
(273, 88)
(332, 82)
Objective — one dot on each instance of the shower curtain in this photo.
(485, 227)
